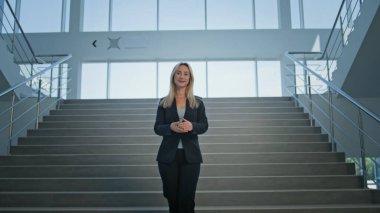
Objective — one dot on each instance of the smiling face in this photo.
(181, 77)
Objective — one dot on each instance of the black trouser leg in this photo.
(187, 186)
(180, 180)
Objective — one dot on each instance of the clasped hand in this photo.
(181, 126)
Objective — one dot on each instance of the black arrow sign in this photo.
(94, 43)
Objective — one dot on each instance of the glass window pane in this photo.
(7, 19)
(64, 82)
(266, 13)
(300, 80)
(94, 81)
(313, 10)
(36, 16)
(295, 12)
(320, 67)
(199, 72)
(134, 15)
(95, 15)
(269, 78)
(67, 16)
(164, 71)
(231, 79)
(133, 80)
(48, 79)
(229, 14)
(182, 15)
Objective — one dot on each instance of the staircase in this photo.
(260, 155)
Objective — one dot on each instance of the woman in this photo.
(180, 118)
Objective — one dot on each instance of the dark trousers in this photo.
(179, 180)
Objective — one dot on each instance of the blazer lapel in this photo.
(174, 111)
(187, 110)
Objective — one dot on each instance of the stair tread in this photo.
(273, 153)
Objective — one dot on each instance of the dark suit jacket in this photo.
(169, 144)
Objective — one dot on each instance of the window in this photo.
(41, 18)
(320, 67)
(269, 78)
(67, 16)
(182, 15)
(231, 79)
(7, 18)
(229, 14)
(164, 71)
(134, 15)
(152, 79)
(300, 80)
(313, 10)
(133, 80)
(199, 72)
(295, 13)
(266, 14)
(64, 82)
(96, 15)
(94, 81)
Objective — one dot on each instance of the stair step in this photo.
(208, 158)
(150, 131)
(208, 104)
(260, 155)
(150, 124)
(155, 101)
(152, 148)
(203, 198)
(334, 208)
(154, 110)
(207, 138)
(284, 169)
(204, 183)
(152, 117)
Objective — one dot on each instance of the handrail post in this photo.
(295, 84)
(310, 100)
(59, 86)
(331, 111)
(51, 83)
(377, 172)
(362, 149)
(331, 120)
(341, 30)
(11, 120)
(31, 74)
(38, 102)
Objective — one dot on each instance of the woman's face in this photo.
(182, 77)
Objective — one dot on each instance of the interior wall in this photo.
(261, 44)
(174, 45)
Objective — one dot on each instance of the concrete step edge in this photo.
(212, 209)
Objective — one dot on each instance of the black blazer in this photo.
(170, 140)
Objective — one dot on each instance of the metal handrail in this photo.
(332, 31)
(40, 98)
(50, 89)
(60, 61)
(338, 42)
(342, 93)
(314, 107)
(22, 31)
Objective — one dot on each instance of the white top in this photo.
(181, 114)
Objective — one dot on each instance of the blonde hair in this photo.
(167, 101)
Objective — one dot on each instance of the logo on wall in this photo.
(114, 43)
(125, 43)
